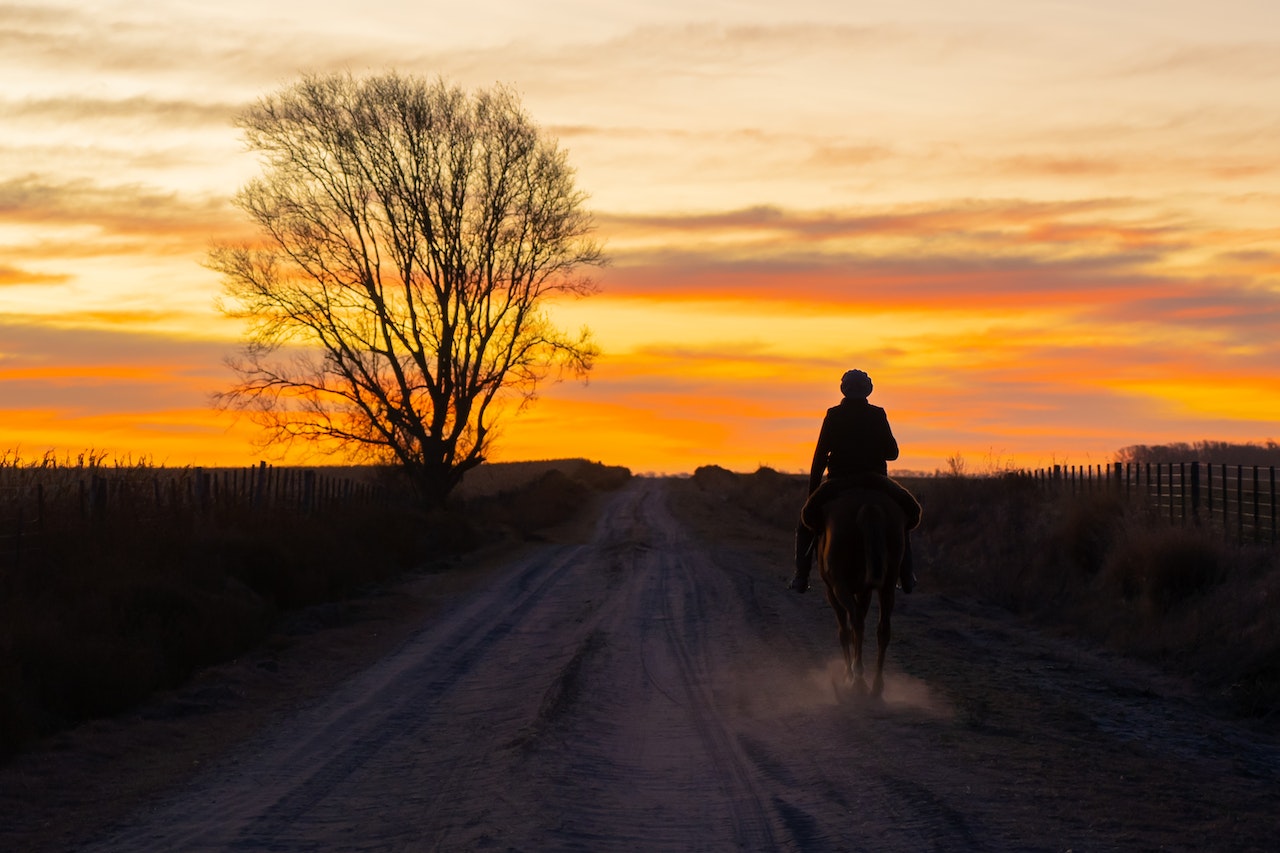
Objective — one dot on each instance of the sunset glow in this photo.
(1047, 231)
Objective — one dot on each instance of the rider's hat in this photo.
(855, 383)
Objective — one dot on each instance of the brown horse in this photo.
(860, 547)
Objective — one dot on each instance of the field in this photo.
(118, 580)
(641, 678)
(130, 578)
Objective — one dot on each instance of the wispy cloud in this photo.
(1242, 60)
(947, 257)
(164, 219)
(77, 372)
(147, 110)
(80, 39)
(1011, 222)
(10, 275)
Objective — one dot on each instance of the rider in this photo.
(855, 440)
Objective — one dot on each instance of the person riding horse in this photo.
(854, 447)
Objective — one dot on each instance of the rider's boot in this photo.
(906, 572)
(804, 558)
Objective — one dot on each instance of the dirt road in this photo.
(650, 689)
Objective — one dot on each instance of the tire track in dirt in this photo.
(317, 753)
(685, 641)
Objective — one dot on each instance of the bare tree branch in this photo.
(411, 234)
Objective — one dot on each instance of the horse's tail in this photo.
(872, 523)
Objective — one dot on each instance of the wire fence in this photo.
(1238, 499)
(37, 502)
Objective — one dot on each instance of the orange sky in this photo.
(1048, 231)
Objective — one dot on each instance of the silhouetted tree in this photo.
(1215, 452)
(410, 235)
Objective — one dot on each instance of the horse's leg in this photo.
(846, 645)
(842, 630)
(883, 633)
(861, 604)
(846, 642)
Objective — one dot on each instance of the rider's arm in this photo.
(820, 454)
(890, 443)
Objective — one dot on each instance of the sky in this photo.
(1047, 230)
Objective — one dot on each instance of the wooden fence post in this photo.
(260, 484)
(1226, 504)
(1159, 484)
(1239, 503)
(1182, 490)
(1208, 490)
(202, 489)
(1272, 470)
(1257, 513)
(1195, 493)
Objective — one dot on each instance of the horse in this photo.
(860, 546)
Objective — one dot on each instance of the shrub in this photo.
(1085, 530)
(1163, 568)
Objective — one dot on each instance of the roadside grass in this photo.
(1092, 565)
(112, 605)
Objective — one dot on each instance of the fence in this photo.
(21, 528)
(36, 502)
(1240, 499)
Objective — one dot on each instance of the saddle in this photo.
(811, 514)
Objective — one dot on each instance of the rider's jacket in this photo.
(855, 438)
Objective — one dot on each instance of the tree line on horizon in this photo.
(1214, 452)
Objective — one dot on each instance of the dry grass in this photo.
(1092, 565)
(112, 599)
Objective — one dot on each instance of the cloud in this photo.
(1243, 314)
(154, 219)
(180, 50)
(706, 45)
(10, 276)
(950, 257)
(23, 17)
(1069, 167)
(1100, 259)
(34, 342)
(81, 372)
(991, 223)
(1244, 60)
(140, 109)
(1216, 166)
(938, 284)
